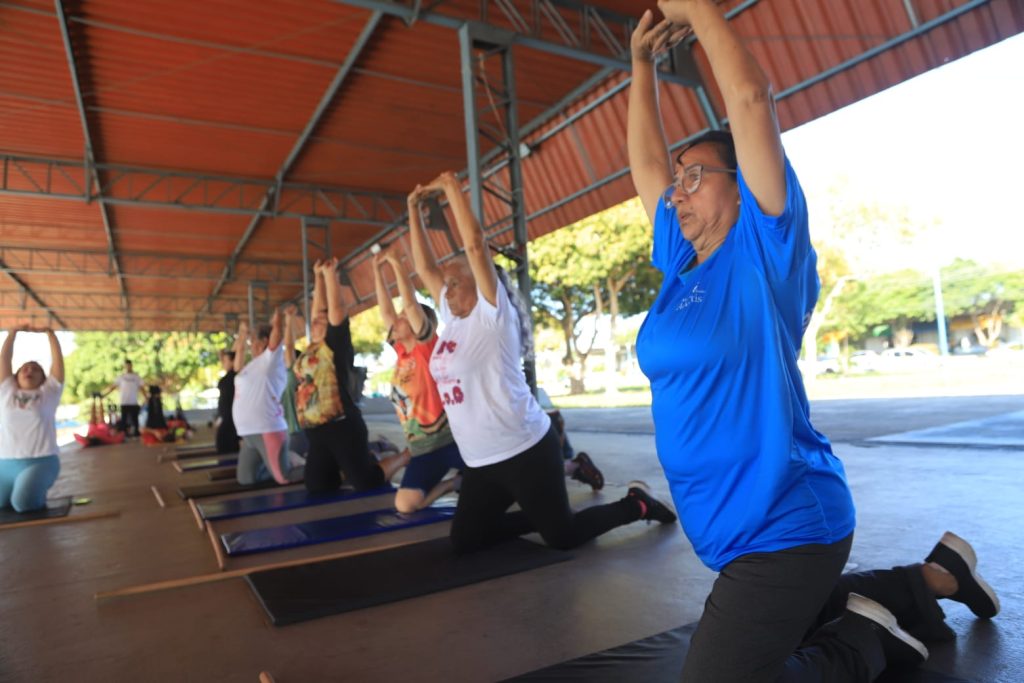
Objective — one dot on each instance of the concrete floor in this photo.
(634, 582)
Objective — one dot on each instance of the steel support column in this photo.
(263, 300)
(475, 54)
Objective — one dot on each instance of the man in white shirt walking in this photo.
(129, 385)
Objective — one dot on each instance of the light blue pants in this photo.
(25, 481)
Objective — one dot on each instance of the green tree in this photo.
(987, 296)
(599, 264)
(171, 360)
(369, 334)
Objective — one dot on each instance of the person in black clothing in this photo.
(324, 406)
(227, 437)
(155, 409)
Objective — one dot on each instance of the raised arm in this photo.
(290, 312)
(649, 163)
(56, 356)
(749, 102)
(319, 298)
(472, 236)
(336, 310)
(387, 308)
(275, 330)
(422, 254)
(240, 340)
(7, 354)
(410, 307)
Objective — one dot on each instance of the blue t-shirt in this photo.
(748, 472)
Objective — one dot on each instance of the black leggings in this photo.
(343, 446)
(536, 480)
(770, 618)
(227, 437)
(130, 419)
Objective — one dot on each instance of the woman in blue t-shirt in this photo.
(758, 490)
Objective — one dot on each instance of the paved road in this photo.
(843, 421)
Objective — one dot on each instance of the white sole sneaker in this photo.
(869, 609)
(966, 553)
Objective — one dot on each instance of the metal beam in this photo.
(275, 195)
(22, 175)
(594, 35)
(32, 295)
(90, 155)
(142, 265)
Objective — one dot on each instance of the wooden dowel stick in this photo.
(265, 677)
(236, 573)
(217, 550)
(156, 494)
(69, 519)
(195, 513)
(177, 466)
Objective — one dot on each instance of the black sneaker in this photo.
(901, 648)
(957, 557)
(652, 508)
(587, 472)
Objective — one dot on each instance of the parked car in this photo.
(906, 359)
(824, 366)
(973, 350)
(864, 361)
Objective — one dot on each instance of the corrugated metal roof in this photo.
(226, 88)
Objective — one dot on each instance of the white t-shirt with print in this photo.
(476, 364)
(28, 419)
(129, 384)
(258, 387)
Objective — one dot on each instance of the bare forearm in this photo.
(319, 301)
(738, 75)
(411, 307)
(7, 355)
(387, 309)
(275, 331)
(56, 358)
(422, 254)
(335, 306)
(645, 136)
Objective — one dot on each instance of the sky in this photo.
(947, 144)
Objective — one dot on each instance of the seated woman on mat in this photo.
(29, 464)
(413, 335)
(507, 441)
(326, 411)
(760, 494)
(257, 411)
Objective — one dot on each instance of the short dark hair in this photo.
(229, 353)
(723, 142)
(127, 361)
(263, 332)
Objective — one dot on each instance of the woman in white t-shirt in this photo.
(257, 412)
(511, 450)
(28, 425)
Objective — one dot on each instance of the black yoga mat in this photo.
(296, 594)
(222, 474)
(659, 659)
(220, 488)
(207, 463)
(55, 507)
(196, 447)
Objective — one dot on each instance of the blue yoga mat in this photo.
(279, 501)
(207, 463)
(327, 530)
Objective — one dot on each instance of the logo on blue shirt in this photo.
(696, 296)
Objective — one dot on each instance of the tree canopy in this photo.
(169, 359)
